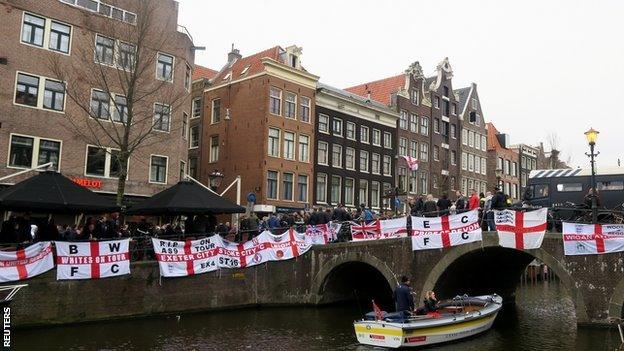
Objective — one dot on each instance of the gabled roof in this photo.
(492, 140)
(355, 98)
(203, 72)
(464, 94)
(246, 66)
(380, 90)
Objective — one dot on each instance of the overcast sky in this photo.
(541, 67)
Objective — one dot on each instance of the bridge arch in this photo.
(352, 276)
(507, 272)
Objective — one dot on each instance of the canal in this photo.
(542, 319)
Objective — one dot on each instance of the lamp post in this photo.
(591, 136)
(216, 178)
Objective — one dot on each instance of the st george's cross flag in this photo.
(27, 262)
(412, 162)
(92, 260)
(589, 239)
(521, 230)
(190, 257)
(287, 245)
(445, 231)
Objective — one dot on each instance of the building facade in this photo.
(201, 81)
(502, 163)
(528, 156)
(355, 150)
(258, 123)
(474, 154)
(41, 113)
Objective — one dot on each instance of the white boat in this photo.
(459, 318)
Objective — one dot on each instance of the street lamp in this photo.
(216, 178)
(499, 175)
(591, 136)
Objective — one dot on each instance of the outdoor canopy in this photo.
(52, 192)
(185, 198)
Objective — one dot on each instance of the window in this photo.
(59, 37)
(337, 126)
(424, 183)
(387, 140)
(471, 135)
(164, 67)
(349, 191)
(337, 155)
(610, 185)
(454, 109)
(363, 191)
(413, 150)
(321, 188)
(413, 123)
(436, 102)
(350, 158)
(187, 78)
(127, 56)
(453, 157)
(104, 50)
(335, 189)
(275, 101)
(514, 169)
(104, 9)
(304, 148)
(403, 120)
(403, 178)
(216, 111)
(506, 187)
(471, 162)
(569, 187)
(192, 167)
(436, 125)
(402, 147)
(272, 185)
(102, 162)
(100, 104)
(26, 152)
(194, 142)
(376, 163)
(387, 165)
(54, 95)
(453, 131)
(414, 97)
(350, 130)
(385, 201)
(376, 137)
(274, 141)
(185, 126)
(27, 90)
(464, 161)
(424, 152)
(363, 161)
(323, 123)
(424, 126)
(474, 103)
(434, 181)
(464, 137)
(499, 163)
(483, 143)
(477, 164)
(290, 105)
(436, 153)
(375, 194)
(477, 141)
(447, 108)
(162, 117)
(289, 145)
(197, 107)
(304, 111)
(182, 169)
(536, 191)
(214, 149)
(322, 153)
(302, 188)
(413, 182)
(158, 169)
(287, 186)
(120, 112)
(33, 29)
(364, 137)
(507, 167)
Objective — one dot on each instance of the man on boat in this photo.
(403, 296)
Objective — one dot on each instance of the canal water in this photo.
(542, 319)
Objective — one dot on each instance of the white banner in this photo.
(92, 260)
(445, 231)
(521, 230)
(26, 263)
(182, 258)
(589, 239)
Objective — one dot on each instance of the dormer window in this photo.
(446, 91)
(293, 61)
(414, 97)
(227, 76)
(245, 70)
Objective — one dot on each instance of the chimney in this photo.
(233, 55)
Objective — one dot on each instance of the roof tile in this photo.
(203, 72)
(380, 90)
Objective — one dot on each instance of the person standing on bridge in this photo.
(403, 298)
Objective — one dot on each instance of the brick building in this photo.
(428, 126)
(528, 156)
(201, 81)
(502, 162)
(473, 141)
(355, 146)
(38, 112)
(258, 122)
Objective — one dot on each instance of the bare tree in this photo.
(555, 157)
(119, 113)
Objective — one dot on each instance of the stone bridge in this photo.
(329, 274)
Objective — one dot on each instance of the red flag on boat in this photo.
(378, 312)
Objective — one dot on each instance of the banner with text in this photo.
(26, 263)
(92, 260)
(591, 239)
(182, 258)
(445, 231)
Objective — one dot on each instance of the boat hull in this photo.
(425, 332)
